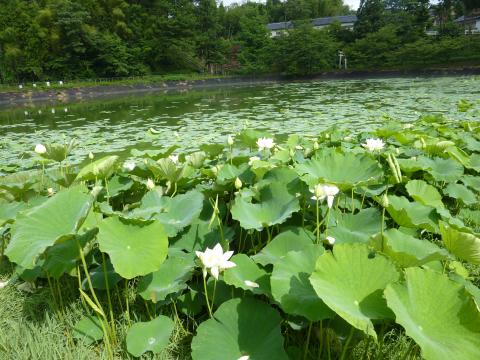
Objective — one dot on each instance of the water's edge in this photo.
(84, 93)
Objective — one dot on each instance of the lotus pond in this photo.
(120, 124)
(263, 245)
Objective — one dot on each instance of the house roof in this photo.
(464, 19)
(344, 19)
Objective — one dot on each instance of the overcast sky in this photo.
(352, 3)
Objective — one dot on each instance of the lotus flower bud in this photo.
(50, 191)
(150, 184)
(40, 149)
(230, 140)
(331, 240)
(316, 146)
(90, 155)
(238, 183)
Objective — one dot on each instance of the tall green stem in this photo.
(307, 343)
(318, 222)
(347, 343)
(206, 294)
(107, 285)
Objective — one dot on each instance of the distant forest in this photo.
(79, 39)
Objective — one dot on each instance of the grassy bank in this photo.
(128, 81)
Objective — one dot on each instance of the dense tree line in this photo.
(66, 39)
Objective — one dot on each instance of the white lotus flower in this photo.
(40, 149)
(174, 158)
(91, 156)
(230, 140)
(48, 83)
(53, 111)
(238, 183)
(407, 126)
(253, 159)
(26, 113)
(50, 191)
(251, 284)
(322, 191)
(215, 260)
(129, 165)
(374, 144)
(244, 357)
(3, 284)
(34, 85)
(150, 184)
(265, 144)
(60, 82)
(66, 110)
(20, 86)
(331, 240)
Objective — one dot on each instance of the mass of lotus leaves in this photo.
(398, 248)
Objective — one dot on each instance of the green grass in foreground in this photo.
(134, 80)
(30, 329)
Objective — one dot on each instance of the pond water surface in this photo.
(195, 117)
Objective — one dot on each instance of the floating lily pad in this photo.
(291, 286)
(55, 220)
(447, 170)
(351, 282)
(134, 249)
(245, 328)
(438, 314)
(151, 336)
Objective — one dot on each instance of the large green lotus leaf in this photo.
(472, 182)
(460, 192)
(276, 204)
(424, 193)
(9, 210)
(55, 220)
(151, 336)
(99, 169)
(98, 275)
(438, 314)
(245, 328)
(291, 286)
(247, 275)
(230, 172)
(62, 258)
(406, 250)
(351, 282)
(464, 245)
(88, 330)
(292, 239)
(345, 170)
(447, 170)
(411, 165)
(174, 213)
(412, 214)
(200, 235)
(171, 277)
(475, 162)
(134, 249)
(357, 227)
